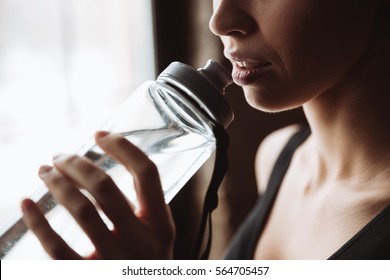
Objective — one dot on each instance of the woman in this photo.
(329, 56)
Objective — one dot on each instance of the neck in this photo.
(350, 121)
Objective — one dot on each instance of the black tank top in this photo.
(372, 242)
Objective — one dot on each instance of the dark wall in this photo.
(172, 23)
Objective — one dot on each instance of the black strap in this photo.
(280, 168)
(211, 199)
(244, 242)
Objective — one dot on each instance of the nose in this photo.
(231, 18)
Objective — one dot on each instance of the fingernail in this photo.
(101, 134)
(57, 156)
(61, 157)
(44, 169)
(27, 204)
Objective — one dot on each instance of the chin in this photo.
(270, 103)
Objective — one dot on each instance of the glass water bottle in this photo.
(170, 119)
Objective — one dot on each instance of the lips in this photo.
(247, 70)
(245, 73)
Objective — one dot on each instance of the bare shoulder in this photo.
(269, 151)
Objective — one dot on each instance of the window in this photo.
(65, 66)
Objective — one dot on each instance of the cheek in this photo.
(323, 37)
(314, 44)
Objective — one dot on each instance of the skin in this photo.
(310, 44)
(329, 56)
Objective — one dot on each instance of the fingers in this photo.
(90, 177)
(152, 228)
(53, 244)
(79, 206)
(144, 171)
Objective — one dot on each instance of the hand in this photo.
(147, 233)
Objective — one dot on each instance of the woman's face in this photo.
(286, 52)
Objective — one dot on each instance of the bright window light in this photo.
(65, 66)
